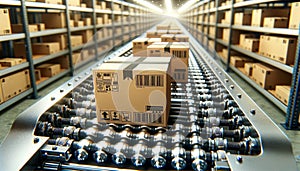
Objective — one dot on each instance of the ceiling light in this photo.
(185, 6)
(149, 5)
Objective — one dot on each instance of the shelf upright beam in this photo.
(28, 49)
(95, 36)
(230, 36)
(196, 34)
(135, 21)
(216, 28)
(113, 25)
(293, 109)
(122, 22)
(67, 13)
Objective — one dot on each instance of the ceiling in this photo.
(161, 3)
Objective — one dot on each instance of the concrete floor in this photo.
(7, 117)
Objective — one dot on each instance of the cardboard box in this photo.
(41, 26)
(76, 40)
(45, 48)
(234, 37)
(174, 38)
(75, 16)
(295, 16)
(9, 62)
(18, 28)
(282, 92)
(139, 45)
(75, 3)
(78, 23)
(242, 18)
(250, 44)
(83, 5)
(239, 61)
(276, 22)
(37, 74)
(224, 53)
(243, 37)
(15, 84)
(87, 35)
(51, 1)
(163, 27)
(19, 50)
(134, 93)
(281, 49)
(60, 38)
(87, 21)
(268, 77)
(49, 70)
(248, 68)
(158, 33)
(76, 58)
(105, 19)
(99, 20)
(258, 15)
(85, 55)
(72, 23)
(54, 20)
(227, 18)
(5, 22)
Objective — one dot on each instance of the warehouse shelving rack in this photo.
(140, 16)
(192, 22)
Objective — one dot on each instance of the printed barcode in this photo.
(150, 80)
(148, 117)
(179, 54)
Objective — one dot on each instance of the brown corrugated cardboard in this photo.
(163, 27)
(49, 70)
(158, 33)
(37, 74)
(282, 92)
(244, 36)
(276, 22)
(87, 35)
(268, 77)
(140, 45)
(248, 68)
(76, 58)
(19, 50)
(83, 5)
(281, 49)
(15, 84)
(50, 1)
(242, 18)
(18, 28)
(235, 37)
(5, 22)
(45, 48)
(9, 62)
(137, 94)
(226, 20)
(295, 16)
(54, 20)
(78, 23)
(60, 38)
(99, 20)
(251, 44)
(41, 26)
(76, 40)
(174, 38)
(239, 61)
(75, 3)
(87, 21)
(258, 15)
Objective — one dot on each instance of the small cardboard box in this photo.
(99, 20)
(140, 45)
(37, 74)
(134, 93)
(76, 58)
(238, 61)
(226, 20)
(19, 50)
(258, 15)
(60, 38)
(78, 23)
(174, 38)
(54, 20)
(87, 21)
(295, 16)
(158, 33)
(276, 22)
(41, 26)
(15, 84)
(9, 62)
(76, 40)
(18, 28)
(281, 49)
(235, 37)
(163, 27)
(87, 35)
(248, 68)
(49, 70)
(251, 44)
(51, 1)
(45, 48)
(5, 22)
(244, 36)
(242, 18)
(282, 92)
(268, 77)
(75, 3)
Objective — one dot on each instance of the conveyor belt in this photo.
(213, 124)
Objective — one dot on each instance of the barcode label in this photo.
(179, 53)
(149, 80)
(153, 117)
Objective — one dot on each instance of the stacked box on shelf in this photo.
(54, 20)
(249, 42)
(60, 38)
(268, 77)
(9, 62)
(51, 1)
(14, 84)
(46, 48)
(76, 40)
(227, 17)
(281, 49)
(49, 70)
(242, 18)
(239, 61)
(234, 37)
(18, 28)
(295, 16)
(248, 69)
(5, 27)
(158, 33)
(276, 22)
(140, 45)
(87, 35)
(75, 3)
(258, 15)
(174, 38)
(282, 92)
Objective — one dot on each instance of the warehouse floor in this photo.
(7, 117)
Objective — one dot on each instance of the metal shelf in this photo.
(249, 3)
(223, 25)
(44, 5)
(14, 36)
(80, 9)
(48, 32)
(49, 57)
(283, 31)
(10, 3)
(268, 95)
(100, 11)
(15, 99)
(52, 79)
(74, 29)
(13, 69)
(276, 64)
(222, 42)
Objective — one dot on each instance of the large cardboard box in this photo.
(45, 48)
(239, 61)
(250, 44)
(282, 92)
(18, 28)
(174, 38)
(258, 15)
(51, 1)
(268, 77)
(245, 36)
(158, 33)
(15, 84)
(281, 49)
(49, 70)
(295, 16)
(140, 45)
(54, 20)
(248, 68)
(276, 22)
(87, 35)
(9, 62)
(242, 18)
(5, 22)
(132, 93)
(76, 40)
(60, 38)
